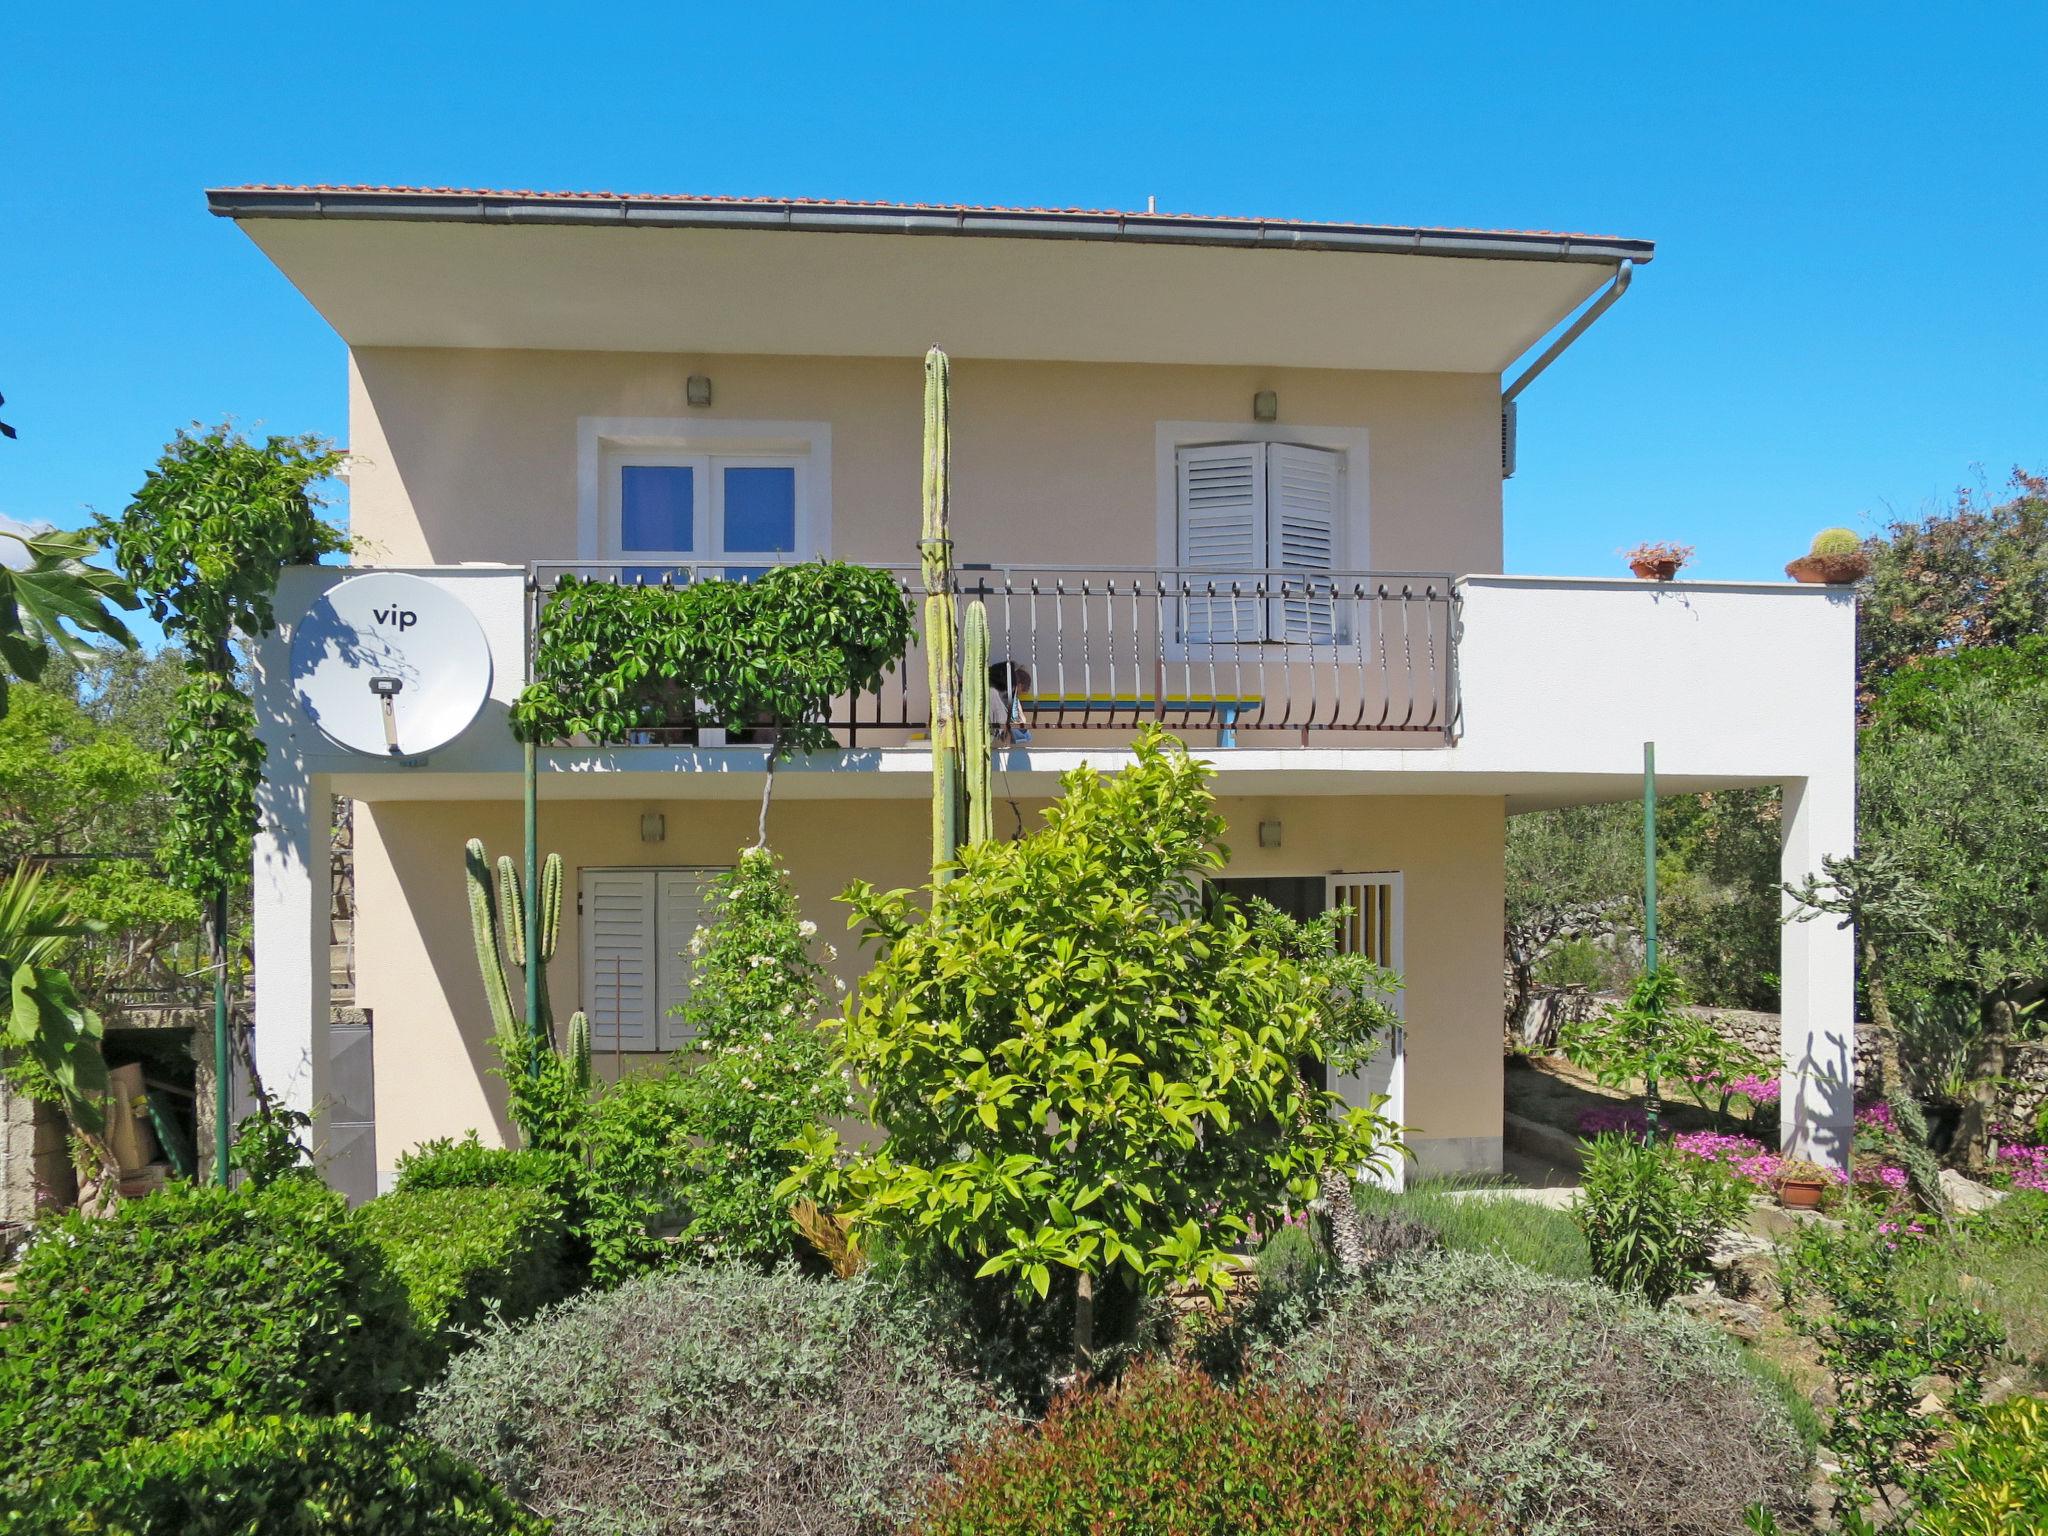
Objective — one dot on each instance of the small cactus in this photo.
(1835, 541)
(577, 1053)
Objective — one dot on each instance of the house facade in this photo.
(1240, 477)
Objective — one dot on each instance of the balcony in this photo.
(1253, 659)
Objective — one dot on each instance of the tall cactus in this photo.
(501, 911)
(935, 553)
(974, 731)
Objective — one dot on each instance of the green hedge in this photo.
(463, 1254)
(1175, 1453)
(342, 1476)
(469, 1164)
(194, 1303)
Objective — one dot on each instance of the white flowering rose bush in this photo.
(759, 1074)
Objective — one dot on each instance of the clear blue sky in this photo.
(1845, 318)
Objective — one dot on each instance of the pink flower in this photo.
(2026, 1164)
(1876, 1117)
(1603, 1118)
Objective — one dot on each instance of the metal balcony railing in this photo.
(1242, 658)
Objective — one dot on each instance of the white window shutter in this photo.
(618, 937)
(1373, 917)
(1305, 497)
(1223, 523)
(679, 912)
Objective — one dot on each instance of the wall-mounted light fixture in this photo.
(698, 389)
(653, 827)
(1269, 834)
(1266, 405)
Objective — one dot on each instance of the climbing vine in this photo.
(611, 659)
(203, 542)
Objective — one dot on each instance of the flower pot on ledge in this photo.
(1830, 570)
(1801, 1194)
(1661, 568)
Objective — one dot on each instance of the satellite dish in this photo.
(390, 665)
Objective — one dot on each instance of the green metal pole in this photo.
(223, 1071)
(530, 896)
(1650, 910)
(1650, 855)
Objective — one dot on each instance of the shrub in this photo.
(1074, 978)
(1994, 1478)
(464, 1255)
(1880, 1337)
(713, 1401)
(343, 1476)
(1174, 1453)
(636, 1139)
(1568, 1406)
(469, 1164)
(191, 1303)
(763, 1072)
(1653, 1038)
(1651, 1212)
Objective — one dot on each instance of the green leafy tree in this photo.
(1654, 1039)
(55, 603)
(55, 1035)
(1718, 907)
(759, 1072)
(1958, 812)
(1574, 873)
(1972, 576)
(80, 792)
(1081, 1067)
(203, 541)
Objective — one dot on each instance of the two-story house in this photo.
(1241, 476)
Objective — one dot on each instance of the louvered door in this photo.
(1372, 927)
(635, 938)
(679, 913)
(1304, 490)
(1222, 498)
(617, 929)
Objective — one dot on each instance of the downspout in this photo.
(1571, 333)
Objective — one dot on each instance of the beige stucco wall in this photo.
(416, 969)
(471, 455)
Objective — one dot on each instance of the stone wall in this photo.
(1759, 1032)
(2026, 1069)
(35, 1164)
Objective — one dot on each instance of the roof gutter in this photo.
(1510, 424)
(1161, 229)
(1571, 333)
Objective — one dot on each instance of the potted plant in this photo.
(1802, 1184)
(1837, 558)
(1657, 562)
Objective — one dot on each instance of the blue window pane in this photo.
(655, 502)
(760, 510)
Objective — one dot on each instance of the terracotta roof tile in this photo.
(686, 199)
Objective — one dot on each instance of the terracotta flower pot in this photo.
(1801, 1194)
(1830, 570)
(1662, 569)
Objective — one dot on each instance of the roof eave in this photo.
(1177, 229)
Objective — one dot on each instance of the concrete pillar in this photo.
(1818, 971)
(291, 896)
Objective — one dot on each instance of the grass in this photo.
(1781, 1384)
(1468, 1218)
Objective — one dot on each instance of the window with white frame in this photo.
(634, 932)
(1247, 515)
(739, 513)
